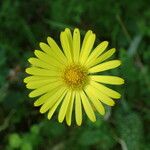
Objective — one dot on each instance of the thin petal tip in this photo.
(79, 123)
(48, 117)
(27, 70)
(119, 96)
(123, 81)
(112, 104)
(41, 44)
(67, 29)
(25, 80)
(114, 50)
(76, 30)
(69, 123)
(103, 113)
(93, 120)
(60, 120)
(119, 62)
(48, 38)
(106, 42)
(42, 111)
(30, 60)
(31, 95)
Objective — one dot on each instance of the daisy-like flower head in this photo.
(71, 78)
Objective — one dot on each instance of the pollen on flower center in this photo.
(75, 76)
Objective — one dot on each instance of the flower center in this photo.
(75, 76)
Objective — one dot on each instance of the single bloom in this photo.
(71, 78)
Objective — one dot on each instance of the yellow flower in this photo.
(68, 77)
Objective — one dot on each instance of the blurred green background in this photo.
(125, 24)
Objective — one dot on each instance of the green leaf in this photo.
(101, 137)
(35, 129)
(130, 129)
(89, 137)
(26, 146)
(15, 140)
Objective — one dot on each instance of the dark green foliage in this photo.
(125, 24)
(130, 128)
(102, 139)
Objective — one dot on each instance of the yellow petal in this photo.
(53, 109)
(56, 50)
(42, 99)
(45, 89)
(69, 109)
(64, 106)
(101, 58)
(39, 63)
(97, 104)
(66, 46)
(105, 90)
(105, 56)
(87, 107)
(39, 83)
(108, 79)
(52, 100)
(69, 37)
(88, 33)
(105, 66)
(87, 48)
(45, 48)
(41, 72)
(97, 51)
(76, 44)
(31, 78)
(48, 59)
(100, 96)
(78, 109)
(34, 78)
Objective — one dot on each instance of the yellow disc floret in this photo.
(75, 76)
